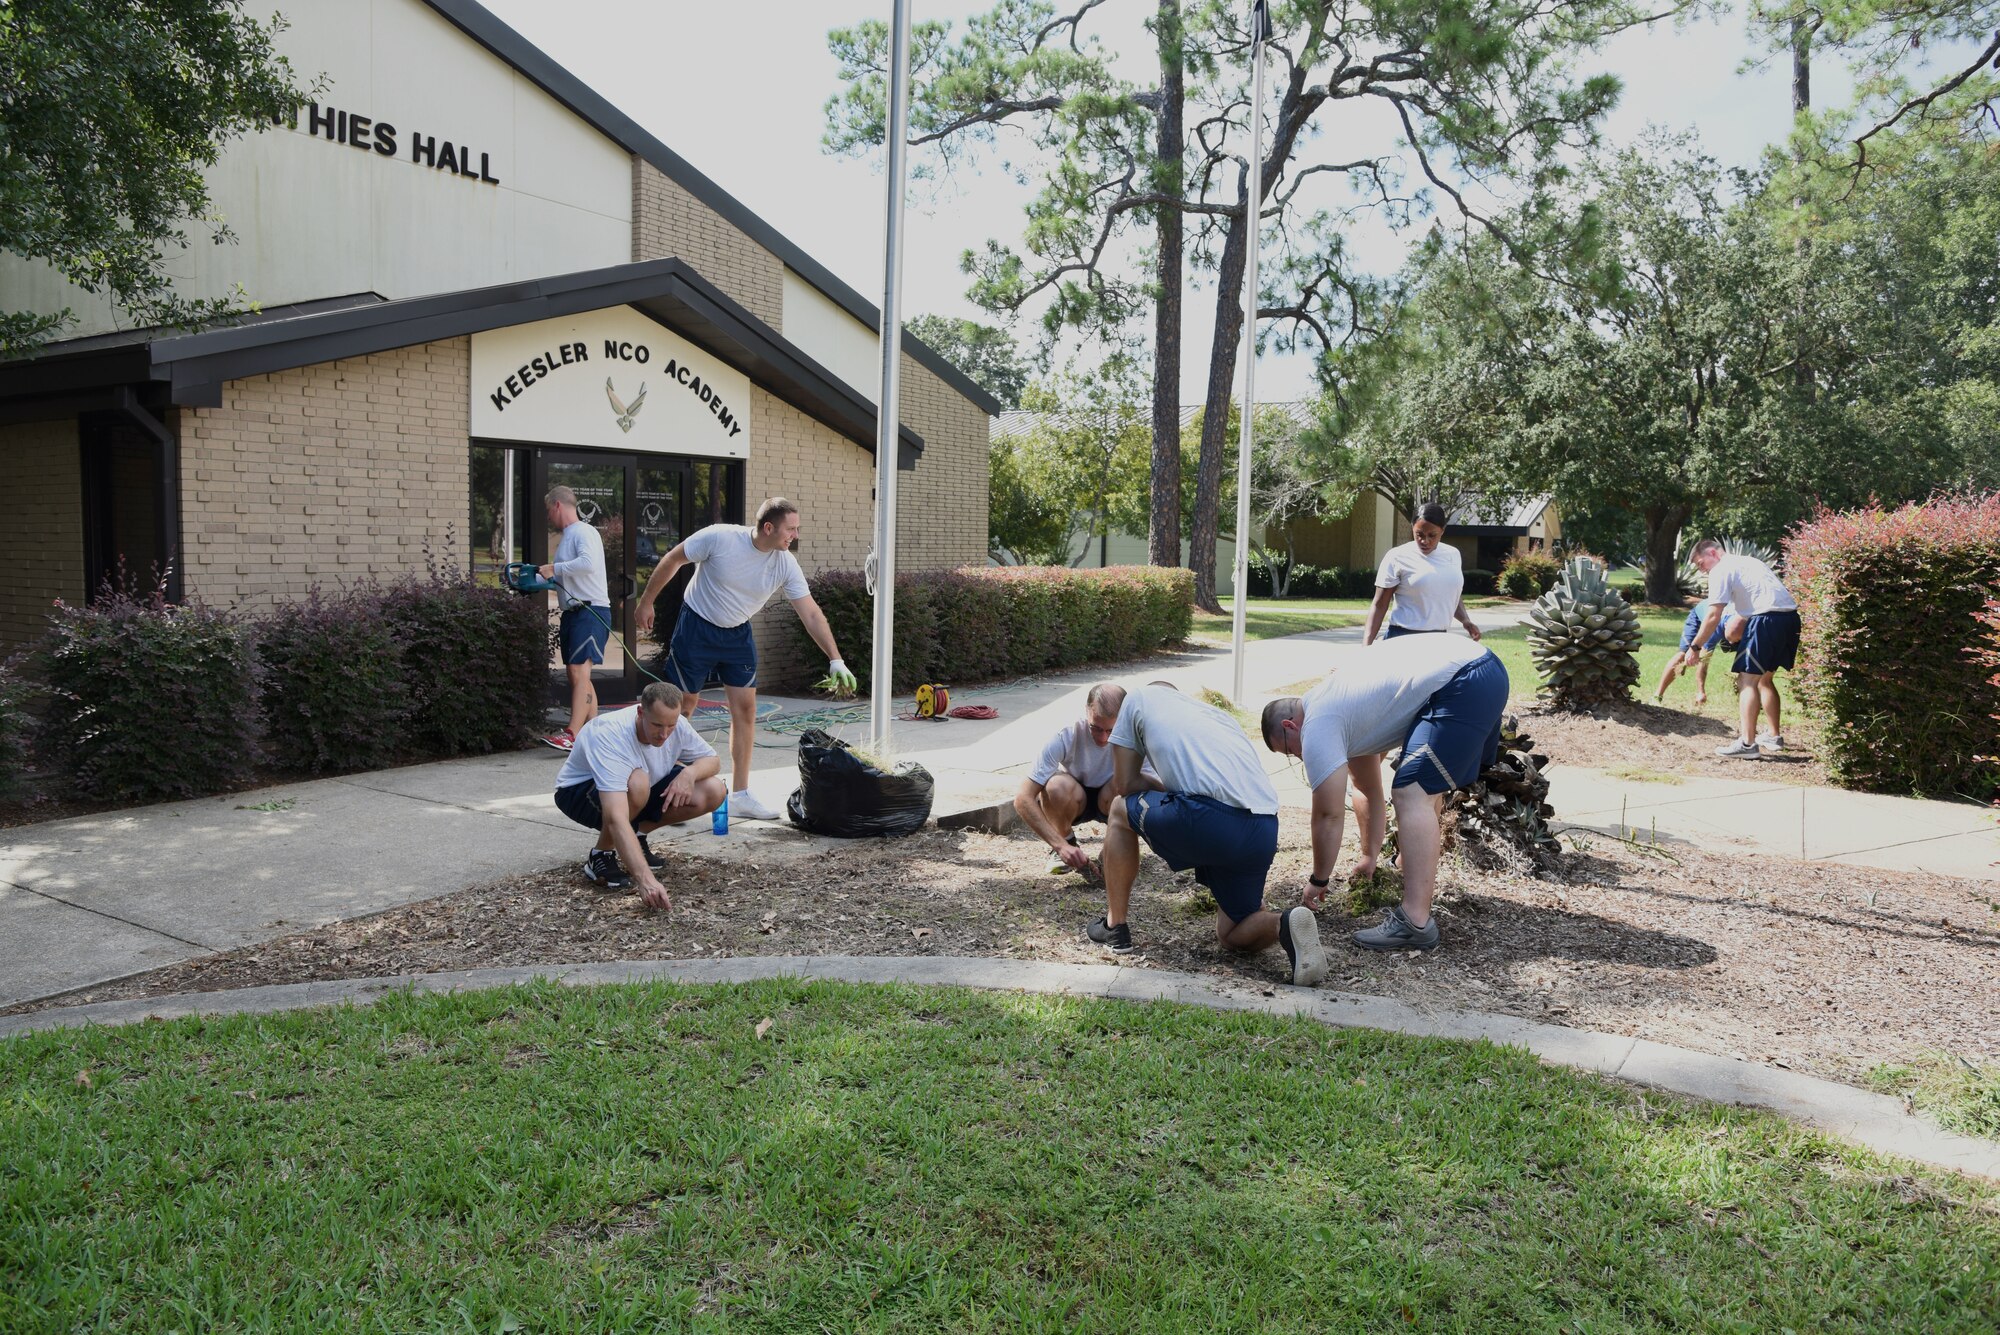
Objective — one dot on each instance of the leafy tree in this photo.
(1078, 472)
(108, 116)
(1482, 92)
(986, 354)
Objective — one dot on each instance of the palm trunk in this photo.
(1163, 537)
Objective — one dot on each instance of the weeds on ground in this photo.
(1959, 1095)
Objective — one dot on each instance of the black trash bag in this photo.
(842, 795)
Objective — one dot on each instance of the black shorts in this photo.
(1093, 804)
(581, 804)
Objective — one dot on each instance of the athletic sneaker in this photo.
(1770, 743)
(653, 860)
(1298, 933)
(1395, 933)
(561, 741)
(1117, 940)
(602, 867)
(1739, 749)
(744, 806)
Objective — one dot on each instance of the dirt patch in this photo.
(1649, 737)
(1817, 967)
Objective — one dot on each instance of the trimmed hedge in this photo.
(146, 700)
(1890, 602)
(15, 728)
(475, 662)
(1480, 583)
(1529, 575)
(974, 624)
(1310, 581)
(335, 694)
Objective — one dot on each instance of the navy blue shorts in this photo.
(1457, 732)
(702, 651)
(585, 632)
(581, 803)
(1770, 642)
(1394, 631)
(1693, 624)
(1229, 848)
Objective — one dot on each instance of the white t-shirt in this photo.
(608, 750)
(1367, 706)
(1427, 587)
(579, 564)
(1194, 748)
(732, 579)
(1074, 752)
(1748, 586)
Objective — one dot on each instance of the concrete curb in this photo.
(1872, 1120)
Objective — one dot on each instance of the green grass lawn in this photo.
(643, 1158)
(1661, 632)
(1259, 624)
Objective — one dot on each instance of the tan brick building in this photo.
(439, 341)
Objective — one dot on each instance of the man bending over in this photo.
(1072, 780)
(1441, 697)
(630, 772)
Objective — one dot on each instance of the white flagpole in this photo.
(1260, 30)
(888, 408)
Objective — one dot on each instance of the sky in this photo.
(745, 105)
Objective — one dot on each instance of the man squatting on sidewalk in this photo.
(585, 628)
(737, 569)
(1213, 808)
(1442, 698)
(1073, 782)
(630, 772)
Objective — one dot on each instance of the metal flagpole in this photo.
(888, 408)
(1260, 32)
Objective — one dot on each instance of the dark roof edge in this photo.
(480, 24)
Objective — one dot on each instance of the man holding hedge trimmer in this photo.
(737, 569)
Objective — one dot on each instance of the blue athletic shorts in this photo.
(581, 803)
(1229, 848)
(1457, 732)
(1693, 624)
(702, 651)
(1770, 642)
(585, 632)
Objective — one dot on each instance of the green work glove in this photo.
(837, 672)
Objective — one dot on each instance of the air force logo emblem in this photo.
(625, 414)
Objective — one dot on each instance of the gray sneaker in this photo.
(1395, 933)
(1739, 749)
(1298, 933)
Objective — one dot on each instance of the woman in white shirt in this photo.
(1425, 582)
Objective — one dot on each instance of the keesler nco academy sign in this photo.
(612, 380)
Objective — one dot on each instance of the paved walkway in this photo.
(94, 898)
(1874, 1120)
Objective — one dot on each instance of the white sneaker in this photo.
(1737, 748)
(745, 806)
(1770, 742)
(1308, 960)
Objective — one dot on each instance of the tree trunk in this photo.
(1215, 416)
(1663, 536)
(1163, 537)
(1802, 35)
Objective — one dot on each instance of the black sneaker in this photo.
(602, 867)
(653, 860)
(1117, 940)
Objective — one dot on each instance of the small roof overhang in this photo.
(169, 367)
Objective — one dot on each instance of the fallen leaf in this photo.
(83, 1080)
(920, 932)
(764, 1026)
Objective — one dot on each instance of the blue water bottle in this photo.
(719, 822)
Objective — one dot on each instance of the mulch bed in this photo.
(1647, 736)
(1817, 967)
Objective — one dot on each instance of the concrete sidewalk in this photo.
(93, 898)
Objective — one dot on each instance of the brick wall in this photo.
(41, 543)
(668, 222)
(942, 506)
(326, 473)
